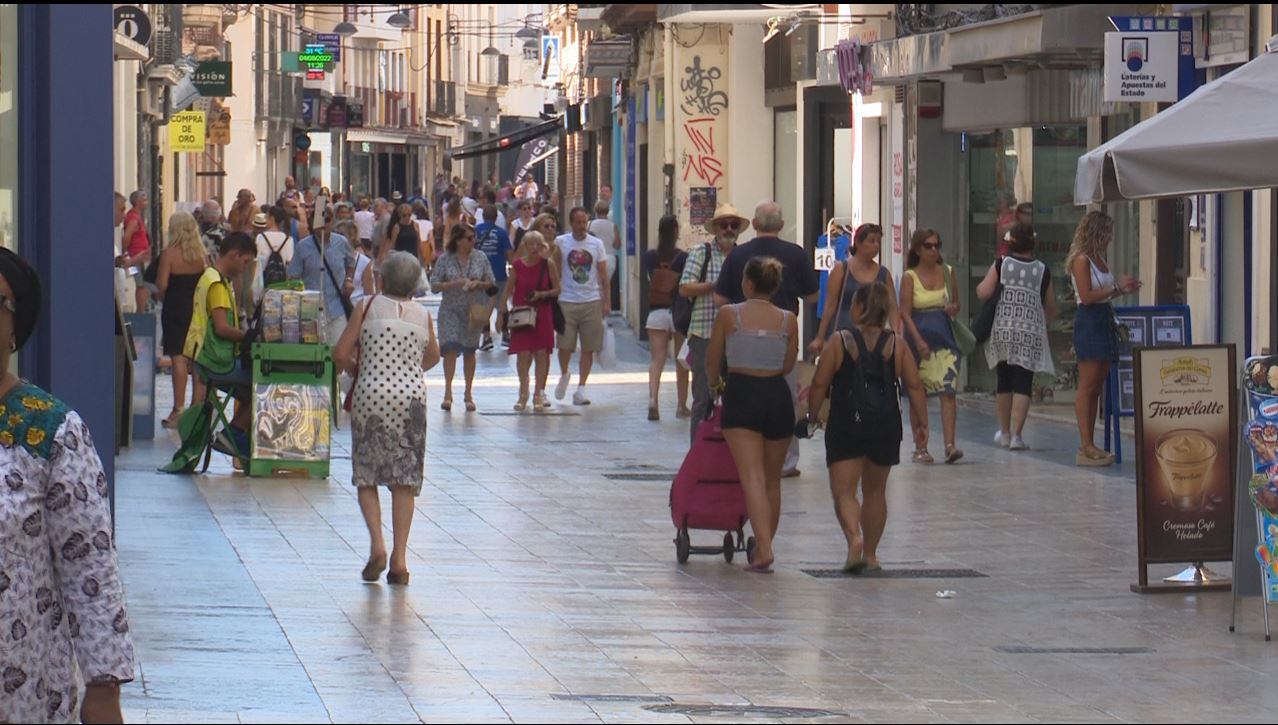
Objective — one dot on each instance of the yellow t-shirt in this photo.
(212, 292)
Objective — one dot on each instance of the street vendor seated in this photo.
(214, 338)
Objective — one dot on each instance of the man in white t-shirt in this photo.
(585, 299)
(365, 219)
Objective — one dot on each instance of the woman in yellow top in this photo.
(929, 300)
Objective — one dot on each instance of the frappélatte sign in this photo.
(1186, 433)
(1142, 66)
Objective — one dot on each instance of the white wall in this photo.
(750, 122)
(125, 125)
(246, 158)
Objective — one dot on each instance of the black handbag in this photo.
(983, 325)
(555, 309)
(681, 307)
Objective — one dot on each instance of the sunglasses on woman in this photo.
(931, 246)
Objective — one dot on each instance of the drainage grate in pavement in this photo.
(897, 574)
(513, 414)
(666, 477)
(743, 711)
(611, 698)
(1018, 650)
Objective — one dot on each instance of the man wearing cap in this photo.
(799, 281)
(700, 273)
(325, 262)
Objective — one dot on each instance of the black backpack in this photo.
(275, 270)
(872, 390)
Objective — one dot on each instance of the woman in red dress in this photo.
(536, 285)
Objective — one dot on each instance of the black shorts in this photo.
(1014, 379)
(762, 405)
(844, 445)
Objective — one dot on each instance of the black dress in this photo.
(406, 240)
(179, 300)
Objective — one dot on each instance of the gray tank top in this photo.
(850, 286)
(758, 349)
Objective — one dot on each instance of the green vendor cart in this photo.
(294, 403)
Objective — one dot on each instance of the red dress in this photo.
(527, 280)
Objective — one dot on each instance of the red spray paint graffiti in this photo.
(702, 157)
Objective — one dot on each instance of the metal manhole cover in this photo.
(1018, 650)
(611, 698)
(666, 477)
(897, 574)
(742, 711)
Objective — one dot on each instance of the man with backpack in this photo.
(274, 246)
(700, 274)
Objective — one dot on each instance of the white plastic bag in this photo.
(608, 356)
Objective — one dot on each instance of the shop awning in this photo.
(509, 142)
(1222, 137)
(1055, 38)
(360, 135)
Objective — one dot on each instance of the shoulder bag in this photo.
(350, 394)
(524, 317)
(681, 307)
(963, 335)
(983, 325)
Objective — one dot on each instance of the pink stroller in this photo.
(707, 495)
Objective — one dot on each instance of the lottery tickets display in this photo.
(292, 317)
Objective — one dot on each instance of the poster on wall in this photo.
(701, 204)
(1186, 433)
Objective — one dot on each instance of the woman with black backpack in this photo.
(865, 366)
(664, 266)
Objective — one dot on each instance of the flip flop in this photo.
(854, 567)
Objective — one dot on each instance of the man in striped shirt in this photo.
(698, 282)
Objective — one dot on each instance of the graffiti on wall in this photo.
(699, 94)
(701, 157)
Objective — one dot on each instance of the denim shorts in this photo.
(1094, 334)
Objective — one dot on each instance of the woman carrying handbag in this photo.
(531, 321)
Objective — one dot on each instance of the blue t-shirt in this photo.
(495, 244)
(841, 245)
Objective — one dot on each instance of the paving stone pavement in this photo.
(544, 591)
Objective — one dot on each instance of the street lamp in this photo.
(345, 29)
(490, 52)
(528, 33)
(399, 20)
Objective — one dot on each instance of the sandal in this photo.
(1087, 459)
(470, 406)
(953, 454)
(683, 413)
(374, 568)
(653, 413)
(447, 405)
(172, 420)
(522, 405)
(540, 402)
(923, 457)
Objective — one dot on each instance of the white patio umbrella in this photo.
(1222, 137)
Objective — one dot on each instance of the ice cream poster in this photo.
(1186, 438)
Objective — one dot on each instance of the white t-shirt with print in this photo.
(581, 260)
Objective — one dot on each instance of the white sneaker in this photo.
(1002, 441)
(579, 397)
(562, 388)
(1018, 444)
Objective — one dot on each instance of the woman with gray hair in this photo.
(391, 340)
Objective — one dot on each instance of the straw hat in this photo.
(259, 221)
(722, 212)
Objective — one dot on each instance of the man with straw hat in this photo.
(700, 274)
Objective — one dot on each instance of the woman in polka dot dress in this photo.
(392, 339)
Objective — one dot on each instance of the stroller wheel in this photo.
(683, 546)
(729, 548)
(750, 545)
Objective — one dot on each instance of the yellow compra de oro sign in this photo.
(186, 131)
